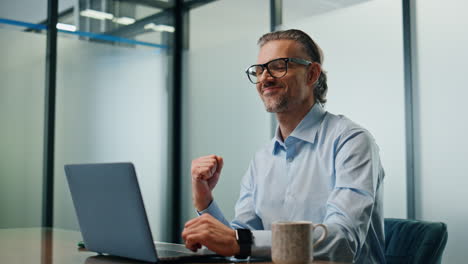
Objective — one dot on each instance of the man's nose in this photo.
(265, 76)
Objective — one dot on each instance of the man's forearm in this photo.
(202, 203)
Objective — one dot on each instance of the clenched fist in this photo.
(207, 231)
(205, 175)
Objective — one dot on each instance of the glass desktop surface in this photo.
(54, 246)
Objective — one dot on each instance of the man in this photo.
(319, 167)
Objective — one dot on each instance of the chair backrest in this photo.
(413, 241)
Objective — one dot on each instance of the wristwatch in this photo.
(245, 240)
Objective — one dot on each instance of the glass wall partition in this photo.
(112, 99)
(22, 82)
(29, 11)
(222, 112)
(441, 38)
(362, 41)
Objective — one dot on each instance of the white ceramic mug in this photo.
(291, 242)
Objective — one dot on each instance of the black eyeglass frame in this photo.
(286, 60)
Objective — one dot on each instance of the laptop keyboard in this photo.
(175, 251)
(171, 253)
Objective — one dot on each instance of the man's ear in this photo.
(313, 73)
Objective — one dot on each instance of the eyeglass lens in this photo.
(276, 68)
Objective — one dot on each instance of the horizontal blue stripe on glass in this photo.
(82, 33)
(22, 24)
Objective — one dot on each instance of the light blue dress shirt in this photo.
(327, 171)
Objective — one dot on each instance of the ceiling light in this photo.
(96, 14)
(124, 20)
(66, 27)
(162, 28)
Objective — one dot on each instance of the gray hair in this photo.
(311, 49)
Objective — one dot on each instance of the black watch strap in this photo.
(245, 240)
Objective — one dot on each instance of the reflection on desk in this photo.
(110, 259)
(55, 246)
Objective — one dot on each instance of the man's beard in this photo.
(276, 106)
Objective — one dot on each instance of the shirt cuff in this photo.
(214, 210)
(261, 246)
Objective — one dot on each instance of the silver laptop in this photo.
(112, 216)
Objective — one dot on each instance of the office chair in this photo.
(413, 241)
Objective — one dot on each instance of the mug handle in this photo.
(323, 236)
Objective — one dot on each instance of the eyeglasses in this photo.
(277, 68)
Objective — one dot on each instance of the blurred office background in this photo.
(395, 67)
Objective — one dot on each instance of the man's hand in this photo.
(206, 230)
(205, 174)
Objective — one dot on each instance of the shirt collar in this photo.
(306, 130)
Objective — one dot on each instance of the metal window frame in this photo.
(408, 48)
(176, 127)
(49, 115)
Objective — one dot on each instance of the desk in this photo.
(53, 246)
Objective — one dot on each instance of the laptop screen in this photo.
(110, 210)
